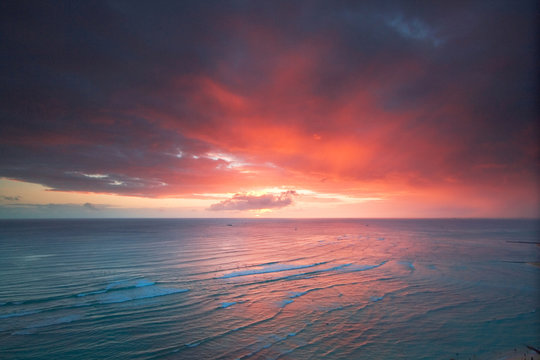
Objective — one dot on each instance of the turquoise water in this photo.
(267, 289)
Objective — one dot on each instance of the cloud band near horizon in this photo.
(255, 202)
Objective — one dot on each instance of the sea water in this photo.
(268, 289)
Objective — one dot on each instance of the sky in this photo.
(269, 109)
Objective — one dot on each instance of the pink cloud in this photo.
(254, 202)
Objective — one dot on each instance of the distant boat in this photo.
(229, 224)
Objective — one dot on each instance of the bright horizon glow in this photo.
(41, 202)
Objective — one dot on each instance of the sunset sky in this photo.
(269, 108)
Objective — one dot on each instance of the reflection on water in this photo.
(267, 289)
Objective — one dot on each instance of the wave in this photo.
(142, 289)
(271, 269)
(285, 302)
(17, 314)
(310, 274)
(117, 285)
(274, 340)
(138, 293)
(227, 332)
(48, 322)
(294, 294)
(114, 286)
(409, 264)
(268, 341)
(92, 293)
(366, 267)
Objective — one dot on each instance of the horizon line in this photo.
(271, 218)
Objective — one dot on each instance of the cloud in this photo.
(254, 202)
(91, 206)
(413, 29)
(11, 198)
(85, 206)
(290, 92)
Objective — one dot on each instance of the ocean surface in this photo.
(268, 289)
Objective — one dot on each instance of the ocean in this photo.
(268, 288)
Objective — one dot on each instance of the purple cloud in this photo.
(253, 202)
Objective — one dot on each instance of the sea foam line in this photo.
(314, 272)
(271, 269)
(17, 314)
(114, 286)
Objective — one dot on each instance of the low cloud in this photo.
(91, 206)
(10, 198)
(70, 207)
(254, 202)
(56, 210)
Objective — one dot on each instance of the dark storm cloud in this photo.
(140, 92)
